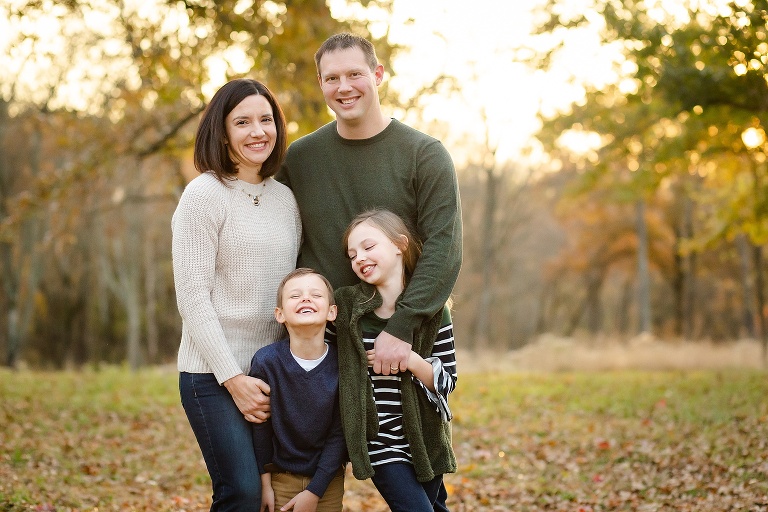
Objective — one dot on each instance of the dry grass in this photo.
(529, 441)
(551, 353)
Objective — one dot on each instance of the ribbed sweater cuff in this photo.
(221, 362)
(320, 482)
(402, 324)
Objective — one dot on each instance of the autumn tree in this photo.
(100, 103)
(690, 82)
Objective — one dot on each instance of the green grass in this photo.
(116, 440)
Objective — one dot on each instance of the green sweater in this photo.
(428, 436)
(400, 169)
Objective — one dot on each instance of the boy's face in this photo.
(306, 301)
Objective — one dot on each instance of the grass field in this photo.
(570, 441)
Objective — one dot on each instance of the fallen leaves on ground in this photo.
(656, 441)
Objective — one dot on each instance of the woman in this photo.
(236, 233)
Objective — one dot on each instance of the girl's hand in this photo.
(371, 356)
(251, 396)
(421, 369)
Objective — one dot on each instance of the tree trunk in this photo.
(678, 289)
(21, 259)
(593, 283)
(594, 305)
(689, 284)
(757, 258)
(643, 274)
(749, 296)
(482, 328)
(150, 290)
(683, 283)
(626, 300)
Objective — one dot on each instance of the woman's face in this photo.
(251, 135)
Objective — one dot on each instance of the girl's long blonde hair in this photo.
(394, 228)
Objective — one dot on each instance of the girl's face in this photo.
(251, 135)
(375, 258)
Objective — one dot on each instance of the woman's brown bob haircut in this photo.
(211, 153)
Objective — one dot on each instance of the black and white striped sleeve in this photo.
(443, 361)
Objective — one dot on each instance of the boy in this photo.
(300, 449)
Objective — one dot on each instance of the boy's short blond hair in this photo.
(299, 272)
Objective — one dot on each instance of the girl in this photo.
(397, 426)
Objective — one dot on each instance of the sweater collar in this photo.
(364, 142)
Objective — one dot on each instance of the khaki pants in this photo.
(288, 485)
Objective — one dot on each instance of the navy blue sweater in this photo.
(303, 434)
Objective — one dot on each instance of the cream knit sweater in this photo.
(229, 257)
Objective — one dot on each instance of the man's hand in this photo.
(390, 354)
(305, 501)
(251, 396)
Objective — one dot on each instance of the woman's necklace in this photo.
(256, 197)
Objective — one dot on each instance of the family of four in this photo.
(349, 241)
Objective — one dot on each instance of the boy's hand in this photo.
(267, 494)
(305, 501)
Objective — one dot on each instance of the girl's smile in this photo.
(375, 258)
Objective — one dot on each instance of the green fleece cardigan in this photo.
(428, 436)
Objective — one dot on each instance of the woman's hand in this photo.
(251, 396)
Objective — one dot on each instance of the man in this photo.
(365, 160)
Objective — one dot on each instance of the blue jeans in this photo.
(225, 438)
(401, 490)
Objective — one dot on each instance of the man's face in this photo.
(349, 85)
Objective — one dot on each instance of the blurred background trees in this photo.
(641, 208)
(679, 154)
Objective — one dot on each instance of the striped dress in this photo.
(390, 444)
